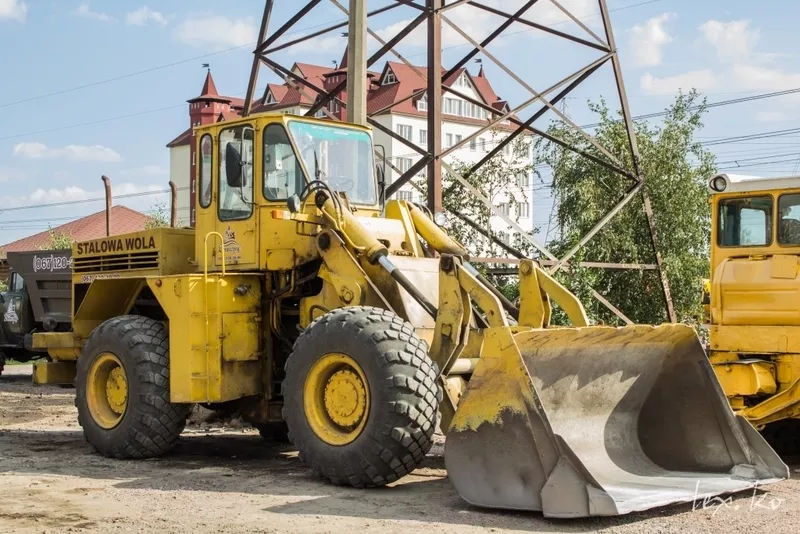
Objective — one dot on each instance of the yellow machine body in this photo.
(753, 295)
(290, 231)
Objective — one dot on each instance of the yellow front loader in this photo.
(753, 301)
(307, 306)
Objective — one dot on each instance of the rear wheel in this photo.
(122, 390)
(361, 397)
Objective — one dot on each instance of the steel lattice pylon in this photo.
(435, 13)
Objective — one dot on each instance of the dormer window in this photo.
(390, 77)
(271, 98)
(422, 103)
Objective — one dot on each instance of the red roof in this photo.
(123, 220)
(378, 97)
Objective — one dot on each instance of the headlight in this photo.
(440, 219)
(718, 184)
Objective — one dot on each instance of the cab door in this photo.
(237, 216)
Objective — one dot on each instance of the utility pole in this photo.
(357, 63)
(435, 105)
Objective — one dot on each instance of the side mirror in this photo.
(293, 203)
(233, 166)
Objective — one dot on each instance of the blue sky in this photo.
(49, 154)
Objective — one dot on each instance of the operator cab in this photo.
(755, 250)
(248, 168)
(753, 215)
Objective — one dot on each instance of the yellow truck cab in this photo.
(754, 304)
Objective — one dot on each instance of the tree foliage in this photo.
(57, 240)
(158, 216)
(675, 168)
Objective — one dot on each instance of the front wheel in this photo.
(361, 397)
(122, 390)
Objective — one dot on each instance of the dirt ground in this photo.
(227, 481)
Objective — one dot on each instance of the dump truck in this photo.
(300, 299)
(753, 310)
(37, 300)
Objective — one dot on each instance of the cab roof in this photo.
(271, 116)
(738, 183)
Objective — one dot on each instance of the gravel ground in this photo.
(226, 481)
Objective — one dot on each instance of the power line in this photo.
(153, 69)
(87, 200)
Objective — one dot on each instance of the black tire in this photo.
(403, 396)
(277, 432)
(151, 424)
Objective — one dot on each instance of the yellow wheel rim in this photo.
(107, 390)
(336, 399)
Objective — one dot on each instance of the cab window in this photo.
(206, 153)
(283, 175)
(235, 173)
(789, 220)
(17, 283)
(745, 222)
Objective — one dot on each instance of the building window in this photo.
(390, 77)
(503, 236)
(473, 144)
(404, 131)
(408, 196)
(523, 180)
(482, 142)
(423, 137)
(458, 139)
(404, 164)
(449, 140)
(524, 210)
(422, 103)
(502, 208)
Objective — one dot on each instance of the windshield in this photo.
(338, 156)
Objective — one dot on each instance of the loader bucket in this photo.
(593, 421)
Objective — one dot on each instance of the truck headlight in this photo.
(718, 184)
(440, 219)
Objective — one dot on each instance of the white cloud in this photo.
(72, 193)
(217, 31)
(141, 16)
(755, 78)
(147, 170)
(86, 12)
(96, 153)
(13, 10)
(733, 40)
(771, 116)
(478, 23)
(12, 175)
(647, 40)
(702, 80)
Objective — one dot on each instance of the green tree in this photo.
(57, 240)
(675, 167)
(158, 216)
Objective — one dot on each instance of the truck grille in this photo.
(116, 262)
